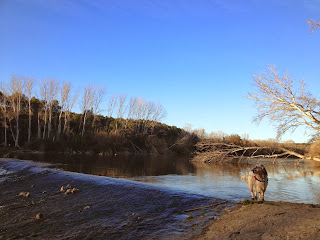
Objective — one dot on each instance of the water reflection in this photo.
(289, 180)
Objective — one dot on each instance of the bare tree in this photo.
(131, 111)
(15, 99)
(64, 96)
(87, 104)
(97, 99)
(313, 25)
(287, 106)
(44, 95)
(53, 89)
(70, 101)
(110, 109)
(29, 84)
(158, 115)
(4, 109)
(121, 109)
(149, 110)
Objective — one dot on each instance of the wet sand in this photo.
(32, 205)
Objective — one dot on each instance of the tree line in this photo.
(34, 111)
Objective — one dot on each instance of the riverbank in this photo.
(44, 203)
(270, 220)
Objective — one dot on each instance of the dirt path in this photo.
(269, 220)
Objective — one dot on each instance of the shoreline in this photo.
(103, 207)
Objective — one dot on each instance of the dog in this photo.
(257, 180)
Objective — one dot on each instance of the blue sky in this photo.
(195, 57)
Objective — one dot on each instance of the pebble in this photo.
(39, 216)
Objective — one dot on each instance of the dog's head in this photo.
(261, 171)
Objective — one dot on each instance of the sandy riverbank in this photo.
(270, 220)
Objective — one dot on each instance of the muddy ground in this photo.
(105, 208)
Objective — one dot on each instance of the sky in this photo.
(195, 57)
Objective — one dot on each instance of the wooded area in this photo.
(39, 116)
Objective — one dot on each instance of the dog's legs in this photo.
(255, 192)
(261, 197)
(251, 184)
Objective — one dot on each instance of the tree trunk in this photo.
(84, 123)
(39, 126)
(16, 142)
(5, 131)
(29, 129)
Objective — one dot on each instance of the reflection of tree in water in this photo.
(125, 166)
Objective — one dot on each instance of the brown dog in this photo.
(257, 179)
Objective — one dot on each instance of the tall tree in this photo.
(97, 99)
(121, 110)
(15, 99)
(64, 96)
(29, 84)
(53, 89)
(287, 106)
(3, 108)
(44, 95)
(70, 101)
(87, 104)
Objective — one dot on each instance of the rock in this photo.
(24, 194)
(74, 190)
(39, 216)
(68, 191)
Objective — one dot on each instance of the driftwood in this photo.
(214, 152)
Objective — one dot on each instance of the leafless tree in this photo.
(70, 101)
(313, 25)
(87, 104)
(110, 108)
(15, 99)
(287, 106)
(149, 109)
(64, 96)
(121, 110)
(131, 110)
(97, 99)
(53, 90)
(158, 115)
(29, 84)
(48, 91)
(4, 109)
(44, 95)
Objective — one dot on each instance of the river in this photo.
(289, 180)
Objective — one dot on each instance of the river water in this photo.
(289, 180)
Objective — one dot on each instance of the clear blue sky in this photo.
(195, 57)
